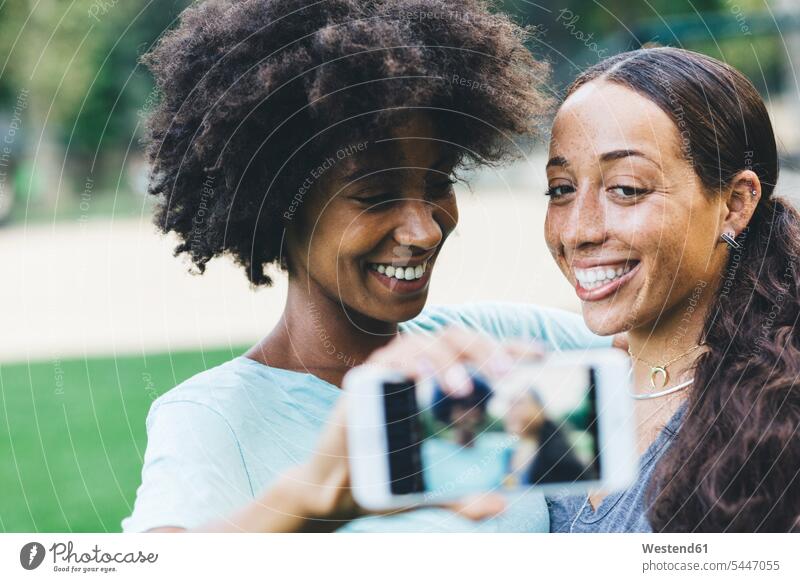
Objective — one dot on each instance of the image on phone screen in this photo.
(542, 431)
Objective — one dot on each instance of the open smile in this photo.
(406, 279)
(602, 280)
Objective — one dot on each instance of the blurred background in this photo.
(98, 319)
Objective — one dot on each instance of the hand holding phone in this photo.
(563, 424)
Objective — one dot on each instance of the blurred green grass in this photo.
(72, 436)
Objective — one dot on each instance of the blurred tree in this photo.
(578, 33)
(120, 90)
(78, 60)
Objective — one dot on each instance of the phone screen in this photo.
(404, 438)
(540, 428)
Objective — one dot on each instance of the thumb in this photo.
(479, 506)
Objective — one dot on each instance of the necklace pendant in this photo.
(658, 371)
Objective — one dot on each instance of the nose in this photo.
(586, 221)
(418, 226)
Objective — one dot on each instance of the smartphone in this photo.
(562, 424)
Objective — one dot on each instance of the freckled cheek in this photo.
(648, 230)
(659, 238)
(553, 223)
(633, 225)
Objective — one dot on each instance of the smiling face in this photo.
(525, 417)
(369, 235)
(628, 221)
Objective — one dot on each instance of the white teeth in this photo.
(401, 273)
(599, 276)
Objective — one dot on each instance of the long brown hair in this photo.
(734, 465)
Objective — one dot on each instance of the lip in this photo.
(589, 263)
(606, 290)
(403, 287)
(412, 262)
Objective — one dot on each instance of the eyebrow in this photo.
(362, 173)
(561, 161)
(371, 172)
(620, 154)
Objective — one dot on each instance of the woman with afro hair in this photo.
(321, 138)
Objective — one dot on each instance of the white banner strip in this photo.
(399, 557)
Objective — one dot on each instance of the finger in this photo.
(425, 358)
(525, 351)
(402, 355)
(441, 362)
(620, 341)
(478, 507)
(493, 359)
(479, 351)
(331, 450)
(475, 507)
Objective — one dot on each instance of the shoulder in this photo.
(203, 408)
(555, 328)
(482, 314)
(211, 389)
(244, 395)
(229, 392)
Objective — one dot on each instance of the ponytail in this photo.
(735, 463)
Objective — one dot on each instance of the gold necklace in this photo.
(661, 369)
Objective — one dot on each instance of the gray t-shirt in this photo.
(624, 511)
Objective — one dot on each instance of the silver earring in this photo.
(728, 238)
(754, 192)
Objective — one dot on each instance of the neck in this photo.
(318, 335)
(656, 348)
(465, 437)
(672, 335)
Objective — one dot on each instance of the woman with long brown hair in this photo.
(677, 183)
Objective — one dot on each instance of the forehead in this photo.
(603, 116)
(411, 147)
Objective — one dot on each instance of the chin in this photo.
(407, 312)
(396, 313)
(605, 321)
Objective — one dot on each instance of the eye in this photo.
(442, 188)
(380, 200)
(559, 191)
(628, 191)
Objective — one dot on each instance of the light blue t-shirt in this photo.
(216, 441)
(482, 466)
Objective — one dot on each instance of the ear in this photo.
(741, 200)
